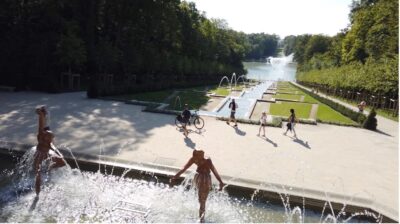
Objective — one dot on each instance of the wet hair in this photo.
(197, 152)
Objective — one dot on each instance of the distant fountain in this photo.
(180, 104)
(242, 76)
(222, 79)
(233, 78)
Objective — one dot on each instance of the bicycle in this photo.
(194, 119)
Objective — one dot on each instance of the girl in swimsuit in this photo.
(45, 138)
(202, 179)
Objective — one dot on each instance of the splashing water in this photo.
(69, 195)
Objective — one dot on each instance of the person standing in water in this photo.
(202, 179)
(291, 123)
(263, 123)
(233, 106)
(45, 143)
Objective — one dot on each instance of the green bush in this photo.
(371, 123)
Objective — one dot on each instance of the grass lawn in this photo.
(288, 96)
(302, 110)
(326, 113)
(158, 96)
(222, 91)
(194, 99)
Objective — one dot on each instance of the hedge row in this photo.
(355, 116)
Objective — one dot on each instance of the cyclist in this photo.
(185, 119)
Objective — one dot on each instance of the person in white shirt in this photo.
(263, 123)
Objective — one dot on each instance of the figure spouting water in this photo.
(45, 149)
(202, 179)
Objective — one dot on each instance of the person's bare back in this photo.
(202, 178)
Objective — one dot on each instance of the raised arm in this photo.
(221, 184)
(42, 119)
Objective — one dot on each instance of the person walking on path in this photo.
(263, 123)
(45, 143)
(291, 123)
(233, 106)
(202, 179)
(185, 120)
(361, 106)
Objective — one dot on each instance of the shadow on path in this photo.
(272, 142)
(383, 133)
(301, 142)
(189, 143)
(239, 132)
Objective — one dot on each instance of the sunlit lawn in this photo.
(288, 96)
(326, 113)
(302, 110)
(225, 91)
(221, 91)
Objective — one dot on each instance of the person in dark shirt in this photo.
(233, 106)
(185, 119)
(291, 123)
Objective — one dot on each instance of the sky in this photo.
(282, 17)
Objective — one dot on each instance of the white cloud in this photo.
(282, 17)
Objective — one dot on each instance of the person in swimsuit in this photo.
(263, 123)
(45, 138)
(202, 179)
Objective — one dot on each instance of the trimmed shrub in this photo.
(371, 123)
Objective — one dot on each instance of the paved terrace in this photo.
(358, 164)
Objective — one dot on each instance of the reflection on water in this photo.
(281, 68)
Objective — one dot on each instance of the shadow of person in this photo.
(197, 131)
(301, 142)
(272, 142)
(189, 143)
(239, 132)
(34, 203)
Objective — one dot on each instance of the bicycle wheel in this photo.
(198, 123)
(178, 123)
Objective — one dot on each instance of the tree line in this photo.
(362, 58)
(142, 45)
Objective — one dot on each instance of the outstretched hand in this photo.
(172, 181)
(221, 186)
(41, 110)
